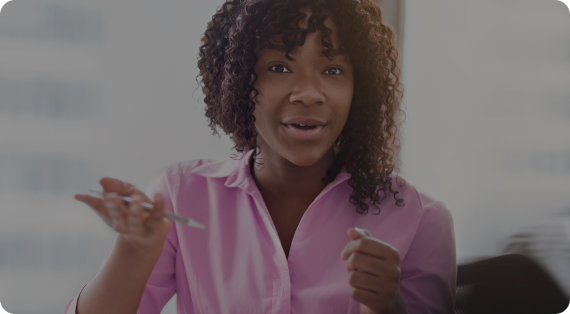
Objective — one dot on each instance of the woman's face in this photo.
(312, 90)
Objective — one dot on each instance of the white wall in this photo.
(487, 88)
(135, 63)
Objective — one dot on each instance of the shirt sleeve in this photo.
(429, 270)
(161, 285)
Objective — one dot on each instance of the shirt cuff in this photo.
(72, 306)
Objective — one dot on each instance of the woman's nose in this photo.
(307, 91)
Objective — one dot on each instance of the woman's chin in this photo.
(304, 162)
(306, 159)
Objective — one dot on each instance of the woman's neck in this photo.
(280, 179)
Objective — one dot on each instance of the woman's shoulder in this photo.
(422, 210)
(174, 171)
(187, 171)
(415, 198)
(205, 167)
(186, 167)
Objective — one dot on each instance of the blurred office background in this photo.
(107, 88)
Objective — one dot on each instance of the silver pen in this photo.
(185, 220)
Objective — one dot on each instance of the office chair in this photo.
(507, 284)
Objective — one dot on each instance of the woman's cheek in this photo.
(342, 95)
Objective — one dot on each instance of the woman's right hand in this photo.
(137, 227)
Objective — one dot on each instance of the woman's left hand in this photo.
(374, 273)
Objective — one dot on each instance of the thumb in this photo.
(356, 233)
(116, 185)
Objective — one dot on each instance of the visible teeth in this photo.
(304, 125)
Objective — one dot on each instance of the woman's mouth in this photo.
(304, 132)
(303, 127)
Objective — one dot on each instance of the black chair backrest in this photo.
(507, 284)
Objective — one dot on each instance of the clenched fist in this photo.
(373, 273)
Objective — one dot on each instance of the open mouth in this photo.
(303, 132)
(303, 127)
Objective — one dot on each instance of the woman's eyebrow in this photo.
(283, 49)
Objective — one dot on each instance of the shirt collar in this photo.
(237, 172)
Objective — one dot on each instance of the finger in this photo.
(112, 185)
(117, 212)
(363, 281)
(136, 217)
(354, 234)
(118, 186)
(157, 213)
(366, 263)
(362, 245)
(370, 299)
(363, 231)
(372, 247)
(96, 204)
(91, 201)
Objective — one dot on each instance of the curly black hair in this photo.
(369, 142)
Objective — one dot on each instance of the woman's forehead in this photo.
(276, 39)
(281, 48)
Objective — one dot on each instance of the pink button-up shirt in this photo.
(237, 264)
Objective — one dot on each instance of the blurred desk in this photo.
(548, 243)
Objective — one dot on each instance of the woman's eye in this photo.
(333, 71)
(280, 68)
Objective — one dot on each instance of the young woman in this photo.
(308, 90)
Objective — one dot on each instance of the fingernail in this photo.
(361, 231)
(112, 194)
(364, 232)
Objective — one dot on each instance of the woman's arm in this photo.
(429, 270)
(120, 284)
